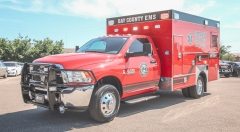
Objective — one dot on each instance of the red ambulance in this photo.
(140, 56)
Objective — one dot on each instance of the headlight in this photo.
(77, 77)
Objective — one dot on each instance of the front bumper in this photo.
(11, 73)
(45, 88)
(77, 98)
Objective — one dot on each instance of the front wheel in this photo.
(16, 74)
(5, 75)
(238, 73)
(197, 91)
(105, 103)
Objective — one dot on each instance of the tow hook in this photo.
(61, 109)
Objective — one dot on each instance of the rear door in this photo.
(177, 55)
(213, 69)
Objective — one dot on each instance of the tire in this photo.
(238, 73)
(185, 92)
(234, 74)
(197, 91)
(16, 74)
(105, 103)
(5, 76)
(227, 75)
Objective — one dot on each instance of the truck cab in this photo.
(135, 62)
(128, 64)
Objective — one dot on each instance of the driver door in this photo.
(140, 74)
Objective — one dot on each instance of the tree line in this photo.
(24, 49)
(225, 53)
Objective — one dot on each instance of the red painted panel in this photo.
(177, 55)
(161, 33)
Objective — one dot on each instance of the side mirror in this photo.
(76, 48)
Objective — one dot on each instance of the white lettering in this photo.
(134, 19)
(121, 20)
(150, 17)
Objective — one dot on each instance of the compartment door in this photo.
(177, 55)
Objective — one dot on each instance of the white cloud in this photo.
(198, 8)
(104, 8)
(136, 6)
(96, 8)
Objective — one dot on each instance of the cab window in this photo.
(140, 46)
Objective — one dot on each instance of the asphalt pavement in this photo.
(217, 111)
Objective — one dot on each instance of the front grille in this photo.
(39, 75)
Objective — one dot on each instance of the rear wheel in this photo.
(227, 75)
(105, 103)
(197, 91)
(185, 92)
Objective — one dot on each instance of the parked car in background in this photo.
(225, 69)
(236, 68)
(13, 68)
(3, 70)
(21, 64)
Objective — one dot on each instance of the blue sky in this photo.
(77, 21)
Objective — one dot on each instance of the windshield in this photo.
(10, 64)
(110, 45)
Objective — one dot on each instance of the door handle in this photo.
(153, 61)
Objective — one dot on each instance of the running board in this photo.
(141, 99)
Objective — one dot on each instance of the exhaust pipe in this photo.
(61, 109)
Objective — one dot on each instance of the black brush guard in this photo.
(36, 79)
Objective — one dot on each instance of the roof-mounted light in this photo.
(157, 26)
(135, 28)
(205, 22)
(176, 16)
(110, 22)
(146, 27)
(164, 15)
(125, 29)
(115, 30)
